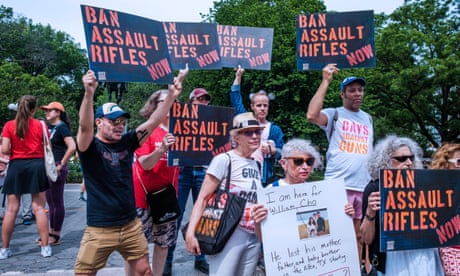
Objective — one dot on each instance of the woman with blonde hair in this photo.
(23, 141)
(448, 157)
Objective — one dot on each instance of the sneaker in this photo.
(46, 251)
(202, 266)
(27, 221)
(82, 199)
(5, 253)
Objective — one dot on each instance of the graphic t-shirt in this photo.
(349, 147)
(245, 180)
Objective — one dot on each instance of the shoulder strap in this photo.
(229, 170)
(334, 120)
(45, 133)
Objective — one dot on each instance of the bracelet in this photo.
(369, 218)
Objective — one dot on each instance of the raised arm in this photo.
(235, 92)
(85, 132)
(146, 128)
(314, 114)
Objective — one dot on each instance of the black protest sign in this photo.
(125, 48)
(201, 132)
(344, 38)
(249, 47)
(419, 209)
(193, 43)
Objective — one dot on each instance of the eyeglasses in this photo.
(203, 98)
(455, 161)
(298, 161)
(117, 122)
(250, 133)
(403, 158)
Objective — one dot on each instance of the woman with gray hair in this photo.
(393, 152)
(298, 159)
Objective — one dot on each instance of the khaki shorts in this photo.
(99, 242)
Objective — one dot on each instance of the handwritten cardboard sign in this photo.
(193, 43)
(344, 38)
(125, 48)
(420, 209)
(249, 47)
(201, 131)
(307, 231)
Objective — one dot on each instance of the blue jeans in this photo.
(190, 179)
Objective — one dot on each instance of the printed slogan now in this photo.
(201, 133)
(345, 38)
(125, 48)
(248, 47)
(419, 209)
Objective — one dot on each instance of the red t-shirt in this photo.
(32, 144)
(159, 176)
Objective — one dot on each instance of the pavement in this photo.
(26, 258)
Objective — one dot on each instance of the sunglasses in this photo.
(51, 110)
(298, 161)
(455, 161)
(117, 122)
(250, 133)
(202, 98)
(403, 158)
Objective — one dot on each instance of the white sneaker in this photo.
(46, 251)
(5, 253)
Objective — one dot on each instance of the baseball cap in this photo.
(350, 80)
(199, 92)
(53, 105)
(13, 106)
(111, 111)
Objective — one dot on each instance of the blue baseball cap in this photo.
(111, 111)
(350, 80)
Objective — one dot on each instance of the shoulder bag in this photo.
(50, 164)
(163, 203)
(221, 216)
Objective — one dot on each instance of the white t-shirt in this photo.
(349, 147)
(245, 180)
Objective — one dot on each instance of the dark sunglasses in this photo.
(455, 161)
(117, 122)
(403, 158)
(298, 161)
(202, 98)
(250, 133)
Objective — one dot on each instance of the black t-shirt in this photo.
(58, 133)
(109, 183)
(376, 257)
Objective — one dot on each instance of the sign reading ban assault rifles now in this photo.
(126, 48)
(419, 209)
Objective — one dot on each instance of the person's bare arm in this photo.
(148, 161)
(146, 128)
(85, 132)
(314, 114)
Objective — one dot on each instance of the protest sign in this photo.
(192, 43)
(307, 231)
(344, 38)
(125, 48)
(201, 131)
(249, 47)
(419, 209)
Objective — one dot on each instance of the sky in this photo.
(65, 15)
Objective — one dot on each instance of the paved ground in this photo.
(26, 258)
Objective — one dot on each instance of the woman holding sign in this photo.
(448, 157)
(394, 152)
(241, 252)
